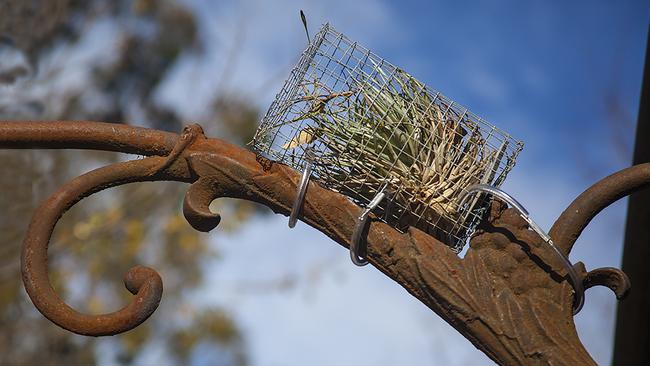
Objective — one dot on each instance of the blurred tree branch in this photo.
(98, 59)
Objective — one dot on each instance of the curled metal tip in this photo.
(141, 281)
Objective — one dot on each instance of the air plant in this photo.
(367, 126)
(387, 130)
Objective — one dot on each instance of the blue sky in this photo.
(562, 76)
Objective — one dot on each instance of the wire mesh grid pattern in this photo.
(365, 125)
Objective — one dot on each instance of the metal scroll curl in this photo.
(143, 282)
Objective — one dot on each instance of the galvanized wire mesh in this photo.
(366, 124)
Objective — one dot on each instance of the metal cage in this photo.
(366, 125)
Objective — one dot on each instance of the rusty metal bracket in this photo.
(507, 295)
(576, 282)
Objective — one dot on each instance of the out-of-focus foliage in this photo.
(102, 60)
(30, 24)
(238, 117)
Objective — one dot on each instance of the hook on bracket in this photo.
(356, 253)
(302, 188)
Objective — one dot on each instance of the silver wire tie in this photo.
(578, 287)
(302, 188)
(355, 244)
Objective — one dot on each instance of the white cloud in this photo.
(250, 47)
(64, 72)
(534, 79)
(486, 85)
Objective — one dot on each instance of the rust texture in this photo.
(508, 295)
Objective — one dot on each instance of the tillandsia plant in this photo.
(388, 131)
(367, 126)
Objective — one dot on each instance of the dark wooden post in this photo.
(632, 344)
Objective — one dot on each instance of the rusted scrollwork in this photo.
(509, 296)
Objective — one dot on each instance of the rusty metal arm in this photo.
(587, 205)
(506, 296)
(143, 282)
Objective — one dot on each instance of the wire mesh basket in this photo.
(366, 125)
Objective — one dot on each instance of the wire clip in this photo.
(574, 279)
(302, 189)
(356, 254)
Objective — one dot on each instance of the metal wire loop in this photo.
(355, 245)
(578, 287)
(302, 188)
